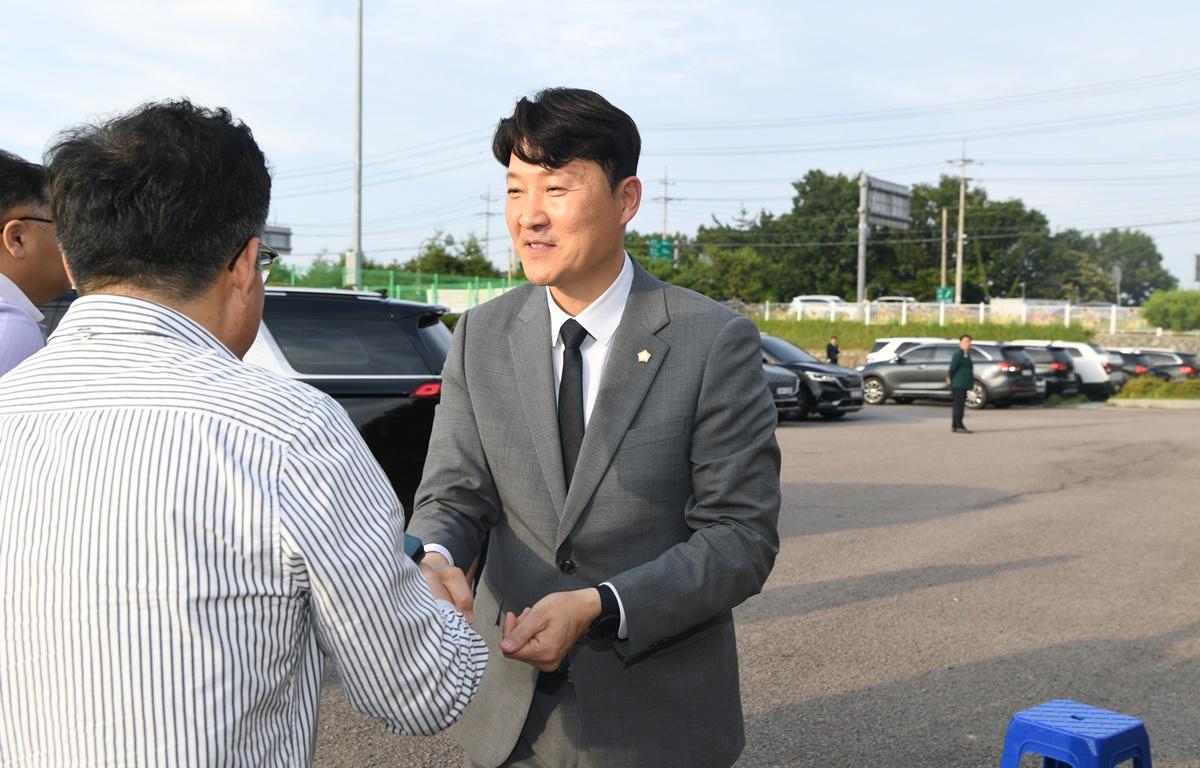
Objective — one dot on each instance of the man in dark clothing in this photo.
(961, 379)
(831, 351)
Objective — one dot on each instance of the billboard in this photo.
(888, 204)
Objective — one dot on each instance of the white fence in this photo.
(1112, 319)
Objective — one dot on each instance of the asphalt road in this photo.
(929, 585)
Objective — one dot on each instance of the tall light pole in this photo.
(353, 273)
(963, 162)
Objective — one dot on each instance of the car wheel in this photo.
(977, 396)
(833, 415)
(805, 404)
(903, 400)
(874, 392)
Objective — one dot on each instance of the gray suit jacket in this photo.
(675, 500)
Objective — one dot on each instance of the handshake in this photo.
(541, 635)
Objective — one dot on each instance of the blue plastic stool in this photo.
(1067, 733)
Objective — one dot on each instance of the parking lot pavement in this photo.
(930, 584)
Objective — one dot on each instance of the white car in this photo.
(818, 305)
(887, 348)
(1092, 365)
(895, 300)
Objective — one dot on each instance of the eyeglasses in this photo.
(29, 218)
(267, 256)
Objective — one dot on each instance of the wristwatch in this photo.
(414, 547)
(608, 623)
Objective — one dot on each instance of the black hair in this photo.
(966, 336)
(564, 124)
(21, 183)
(160, 198)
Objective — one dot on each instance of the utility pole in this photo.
(487, 224)
(945, 220)
(863, 233)
(353, 276)
(963, 162)
(666, 198)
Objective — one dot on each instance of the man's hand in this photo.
(542, 635)
(448, 583)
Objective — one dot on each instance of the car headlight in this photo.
(785, 391)
(823, 377)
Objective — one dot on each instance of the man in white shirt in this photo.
(184, 538)
(31, 265)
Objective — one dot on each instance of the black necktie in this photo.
(570, 396)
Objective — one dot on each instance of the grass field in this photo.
(1149, 388)
(812, 335)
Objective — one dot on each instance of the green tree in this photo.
(442, 255)
(1142, 271)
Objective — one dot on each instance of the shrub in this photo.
(1173, 310)
(1152, 388)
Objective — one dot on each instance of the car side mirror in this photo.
(898, 360)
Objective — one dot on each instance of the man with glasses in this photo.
(184, 538)
(31, 266)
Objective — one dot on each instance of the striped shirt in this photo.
(183, 538)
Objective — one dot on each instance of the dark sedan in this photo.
(1003, 375)
(380, 359)
(829, 390)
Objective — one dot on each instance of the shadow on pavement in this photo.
(815, 508)
(800, 599)
(956, 717)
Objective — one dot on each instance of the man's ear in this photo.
(629, 192)
(13, 238)
(245, 270)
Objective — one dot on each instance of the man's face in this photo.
(39, 262)
(965, 344)
(567, 224)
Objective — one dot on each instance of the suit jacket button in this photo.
(567, 567)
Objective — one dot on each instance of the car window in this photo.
(919, 355)
(437, 338)
(1039, 354)
(334, 339)
(978, 355)
(1016, 355)
(1075, 353)
(786, 352)
(877, 346)
(905, 346)
(1159, 358)
(942, 353)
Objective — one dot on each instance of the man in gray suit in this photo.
(611, 437)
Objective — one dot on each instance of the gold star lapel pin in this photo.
(644, 356)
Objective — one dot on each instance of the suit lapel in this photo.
(531, 350)
(623, 388)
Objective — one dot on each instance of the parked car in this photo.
(381, 359)
(889, 347)
(1098, 377)
(818, 305)
(1167, 364)
(1136, 365)
(829, 390)
(894, 300)
(1054, 366)
(785, 388)
(1004, 375)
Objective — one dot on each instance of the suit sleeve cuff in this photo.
(450, 559)
(623, 631)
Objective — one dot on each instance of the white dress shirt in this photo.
(20, 334)
(600, 319)
(184, 538)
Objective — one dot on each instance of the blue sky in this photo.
(764, 90)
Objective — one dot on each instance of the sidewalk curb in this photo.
(1176, 405)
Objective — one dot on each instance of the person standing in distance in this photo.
(831, 351)
(31, 265)
(613, 437)
(961, 380)
(185, 538)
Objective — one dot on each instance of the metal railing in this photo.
(456, 292)
(1112, 319)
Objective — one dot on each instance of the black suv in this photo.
(380, 359)
(1004, 375)
(829, 390)
(1054, 365)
